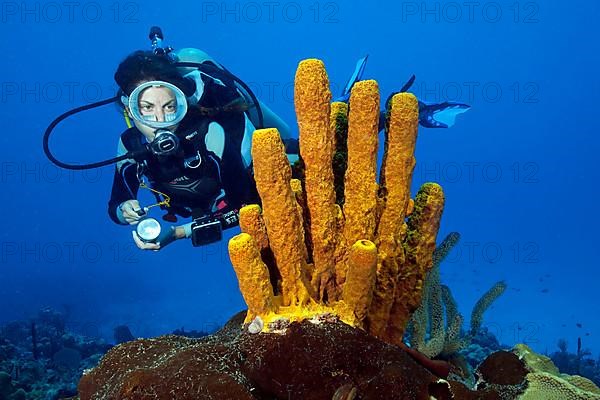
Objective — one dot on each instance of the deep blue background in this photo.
(518, 169)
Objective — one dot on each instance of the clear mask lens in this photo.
(152, 104)
(149, 118)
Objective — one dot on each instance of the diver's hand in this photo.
(143, 245)
(166, 237)
(132, 212)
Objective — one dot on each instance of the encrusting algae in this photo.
(362, 260)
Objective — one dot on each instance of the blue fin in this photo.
(405, 88)
(355, 77)
(408, 84)
(440, 115)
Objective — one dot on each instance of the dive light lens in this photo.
(148, 229)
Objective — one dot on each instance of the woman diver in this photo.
(198, 123)
(190, 125)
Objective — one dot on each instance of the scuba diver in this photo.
(190, 124)
(196, 124)
(199, 126)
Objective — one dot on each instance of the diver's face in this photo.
(156, 104)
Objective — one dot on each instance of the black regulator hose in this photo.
(139, 154)
(79, 166)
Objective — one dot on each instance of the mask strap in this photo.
(127, 119)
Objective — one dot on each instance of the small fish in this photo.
(578, 325)
(545, 290)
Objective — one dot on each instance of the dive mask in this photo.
(143, 110)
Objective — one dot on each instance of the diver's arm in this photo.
(184, 231)
(123, 196)
(124, 189)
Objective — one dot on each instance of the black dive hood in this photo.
(156, 38)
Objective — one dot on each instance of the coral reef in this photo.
(525, 375)
(482, 345)
(484, 302)
(310, 360)
(434, 334)
(546, 382)
(41, 359)
(323, 245)
(577, 363)
(122, 334)
(427, 331)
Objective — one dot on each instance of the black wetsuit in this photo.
(220, 183)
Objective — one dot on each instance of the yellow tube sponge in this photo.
(251, 222)
(311, 100)
(296, 186)
(338, 123)
(419, 246)
(272, 174)
(397, 167)
(338, 245)
(358, 289)
(361, 175)
(252, 275)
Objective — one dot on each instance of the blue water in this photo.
(518, 169)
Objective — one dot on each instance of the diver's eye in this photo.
(171, 108)
(146, 107)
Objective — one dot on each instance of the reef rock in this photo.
(306, 360)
